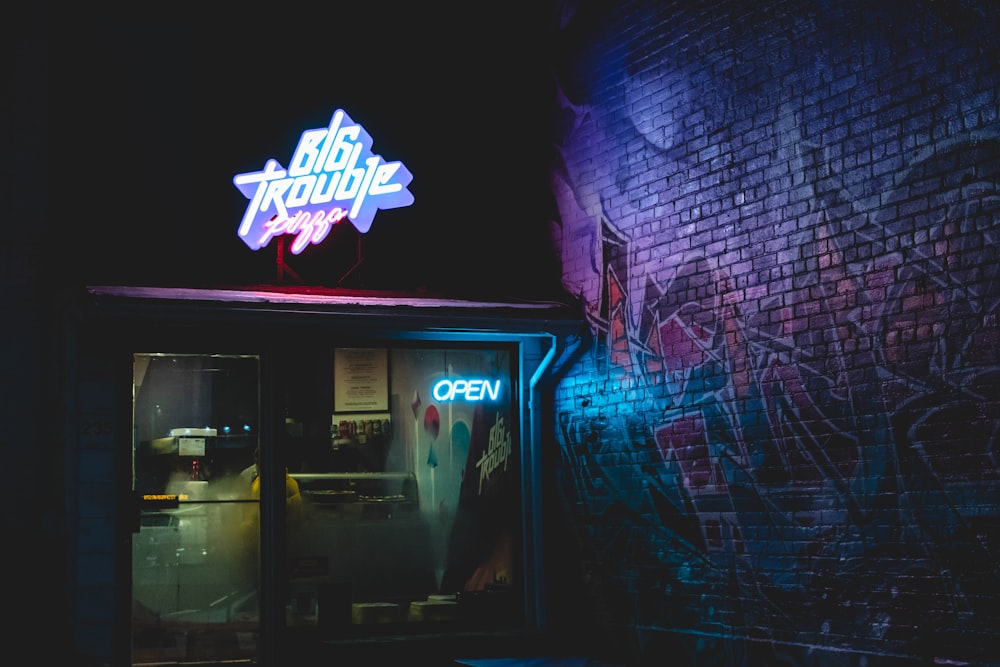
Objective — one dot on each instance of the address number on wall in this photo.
(97, 431)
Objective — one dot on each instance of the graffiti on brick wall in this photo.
(788, 427)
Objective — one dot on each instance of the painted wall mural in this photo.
(783, 222)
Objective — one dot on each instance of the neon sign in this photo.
(469, 390)
(332, 175)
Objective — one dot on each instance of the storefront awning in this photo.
(392, 310)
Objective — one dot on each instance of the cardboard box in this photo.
(377, 612)
(433, 610)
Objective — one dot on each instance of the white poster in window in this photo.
(360, 380)
(191, 446)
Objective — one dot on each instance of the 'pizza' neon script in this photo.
(333, 175)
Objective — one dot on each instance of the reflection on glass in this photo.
(195, 555)
(411, 516)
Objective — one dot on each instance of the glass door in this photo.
(195, 555)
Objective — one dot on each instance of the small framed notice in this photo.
(191, 446)
(360, 379)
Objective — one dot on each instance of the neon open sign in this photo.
(469, 390)
(332, 175)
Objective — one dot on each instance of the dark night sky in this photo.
(155, 113)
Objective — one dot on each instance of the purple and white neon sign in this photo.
(332, 175)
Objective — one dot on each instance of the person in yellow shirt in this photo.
(293, 496)
(250, 529)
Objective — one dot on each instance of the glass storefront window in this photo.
(305, 474)
(402, 497)
(408, 464)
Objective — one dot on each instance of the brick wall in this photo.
(782, 218)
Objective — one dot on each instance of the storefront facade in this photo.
(280, 473)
